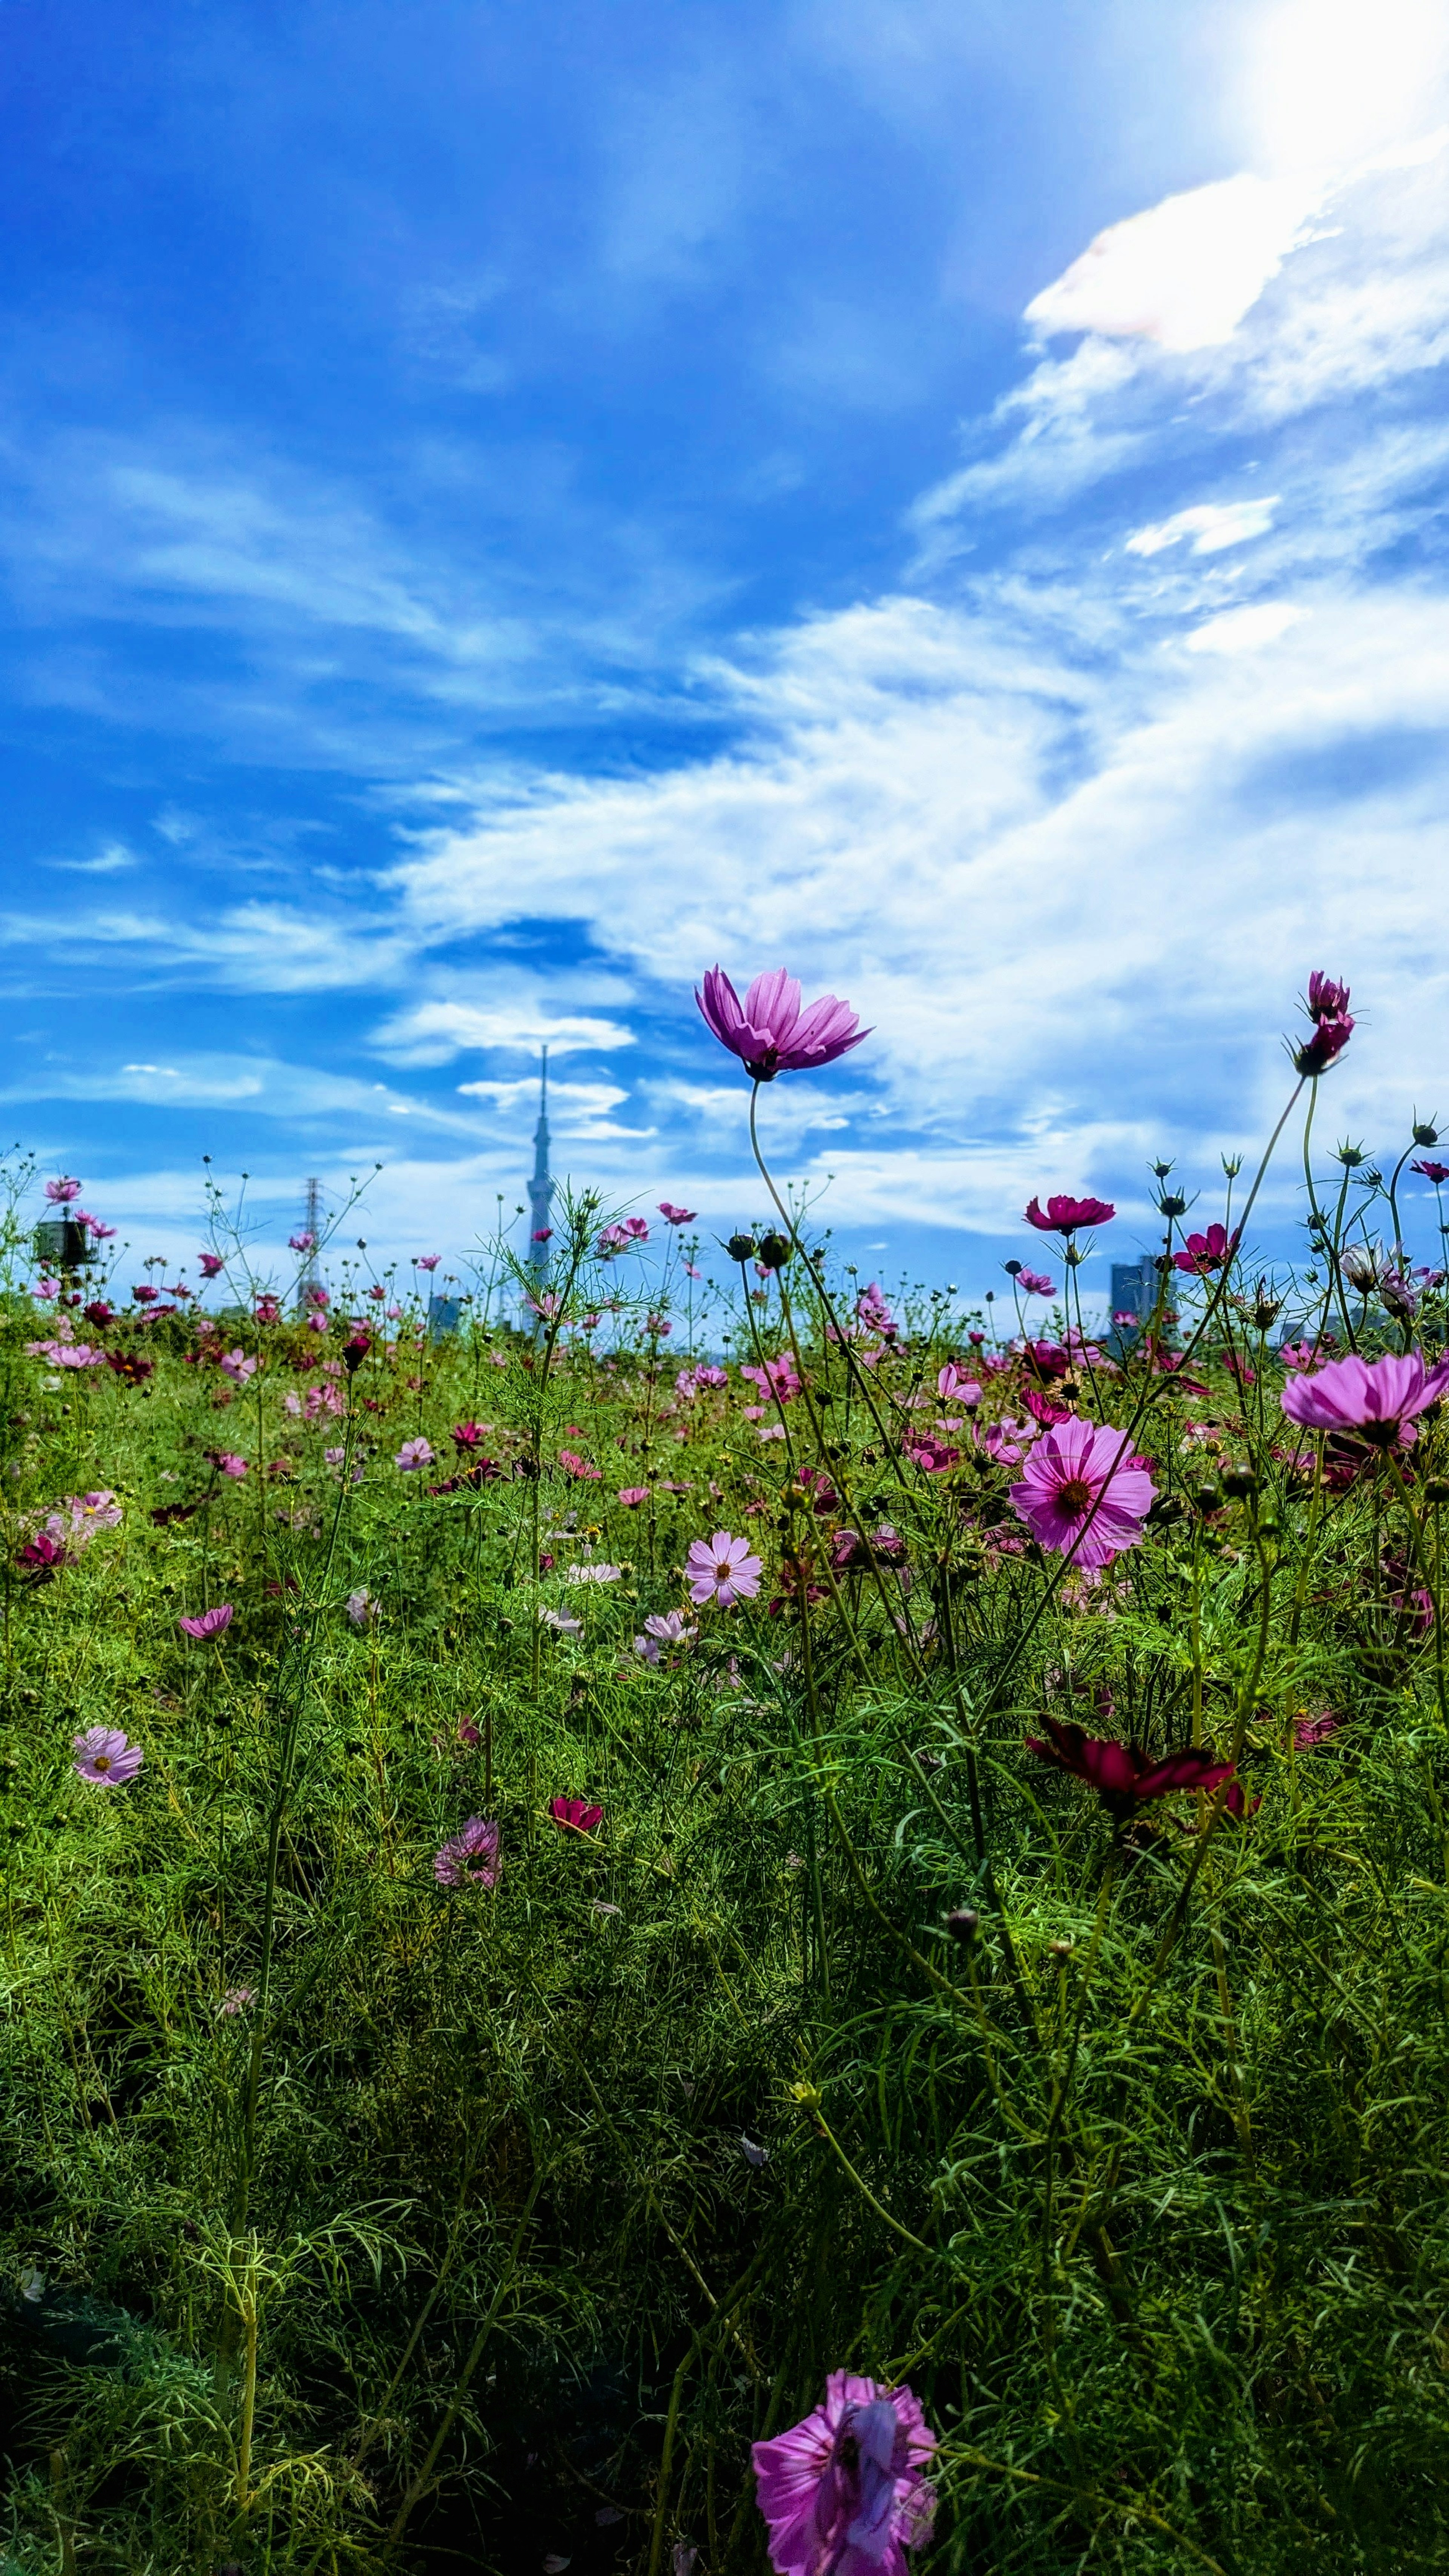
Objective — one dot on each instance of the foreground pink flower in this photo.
(1063, 1215)
(1376, 1398)
(470, 1857)
(573, 1816)
(1122, 1774)
(843, 2492)
(105, 1759)
(769, 1032)
(1081, 1472)
(1206, 1252)
(208, 1623)
(722, 1570)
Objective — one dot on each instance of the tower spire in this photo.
(540, 1187)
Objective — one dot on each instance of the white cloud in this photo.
(1244, 630)
(1183, 273)
(1212, 525)
(431, 1032)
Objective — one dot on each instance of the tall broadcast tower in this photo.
(540, 1188)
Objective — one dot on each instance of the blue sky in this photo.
(504, 508)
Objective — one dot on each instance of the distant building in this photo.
(540, 1187)
(444, 1316)
(1134, 1293)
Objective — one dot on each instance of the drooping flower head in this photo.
(843, 2492)
(1035, 1283)
(208, 1623)
(1063, 1215)
(574, 1815)
(676, 1215)
(769, 1032)
(212, 1265)
(1082, 1494)
(722, 1570)
(105, 1759)
(1438, 1173)
(470, 1857)
(429, 1260)
(1378, 1399)
(1122, 1774)
(1327, 1000)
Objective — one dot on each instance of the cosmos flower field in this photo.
(734, 1916)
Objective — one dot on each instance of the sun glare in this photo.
(1332, 80)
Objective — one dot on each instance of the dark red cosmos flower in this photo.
(467, 1435)
(1326, 1045)
(1438, 1173)
(1122, 1774)
(145, 1296)
(355, 1351)
(1064, 1215)
(1205, 1252)
(129, 1367)
(573, 1816)
(100, 1314)
(1046, 1360)
(41, 1557)
(1326, 999)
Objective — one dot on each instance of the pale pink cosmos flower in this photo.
(361, 1607)
(593, 1573)
(236, 2000)
(1082, 1494)
(46, 1288)
(561, 1622)
(631, 1496)
(671, 1628)
(208, 1623)
(954, 1386)
(60, 1193)
(769, 1031)
(412, 1455)
(227, 1463)
(470, 1857)
(429, 1260)
(236, 1365)
(105, 1759)
(843, 2492)
(1376, 1398)
(301, 1243)
(722, 1570)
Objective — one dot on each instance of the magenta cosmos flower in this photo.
(60, 1193)
(470, 1857)
(1063, 1215)
(1122, 1774)
(208, 1623)
(722, 1570)
(1376, 1398)
(105, 1759)
(574, 1816)
(843, 2492)
(769, 1032)
(1081, 1472)
(676, 1215)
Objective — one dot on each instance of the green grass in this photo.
(448, 2241)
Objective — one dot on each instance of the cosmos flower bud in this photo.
(962, 1923)
(742, 1247)
(774, 1251)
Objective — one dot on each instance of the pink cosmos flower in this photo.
(412, 1455)
(1123, 1776)
(88, 1513)
(268, 1311)
(1034, 1283)
(361, 1607)
(1438, 1173)
(236, 2000)
(1376, 1398)
(954, 1387)
(671, 1628)
(105, 1759)
(429, 1260)
(227, 1463)
(612, 1239)
(60, 1193)
(843, 2492)
(769, 1031)
(301, 1242)
(212, 1265)
(676, 1215)
(1311, 1731)
(722, 1570)
(470, 1857)
(1063, 1215)
(208, 1623)
(1076, 1470)
(236, 1365)
(1205, 1252)
(573, 1465)
(46, 1288)
(637, 1228)
(573, 1816)
(599, 1573)
(631, 1496)
(1298, 1355)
